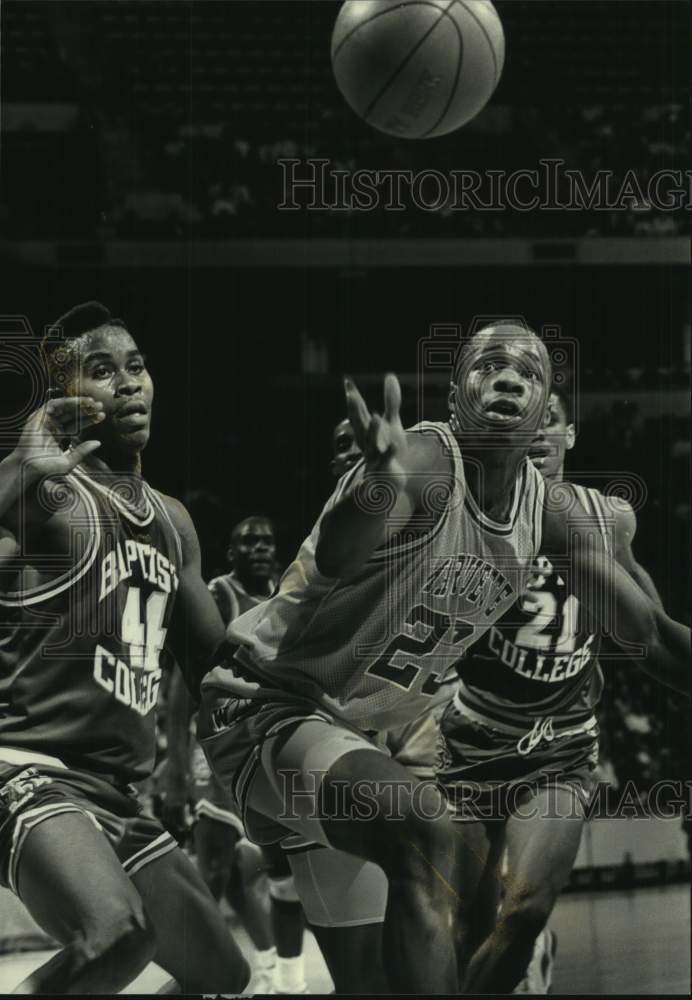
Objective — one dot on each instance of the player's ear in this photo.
(570, 437)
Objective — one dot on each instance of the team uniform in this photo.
(323, 648)
(210, 798)
(81, 657)
(523, 713)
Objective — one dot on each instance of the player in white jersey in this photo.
(418, 552)
(519, 745)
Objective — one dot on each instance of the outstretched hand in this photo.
(382, 439)
(40, 448)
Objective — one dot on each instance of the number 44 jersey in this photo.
(375, 649)
(81, 647)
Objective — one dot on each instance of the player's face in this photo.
(502, 385)
(555, 438)
(254, 550)
(110, 368)
(345, 449)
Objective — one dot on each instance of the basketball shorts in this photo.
(272, 757)
(209, 798)
(490, 773)
(414, 745)
(31, 793)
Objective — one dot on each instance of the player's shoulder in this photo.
(429, 444)
(568, 505)
(181, 521)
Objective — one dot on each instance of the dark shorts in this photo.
(30, 794)
(209, 797)
(485, 776)
(262, 750)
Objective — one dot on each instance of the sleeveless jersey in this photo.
(374, 649)
(538, 660)
(80, 654)
(231, 596)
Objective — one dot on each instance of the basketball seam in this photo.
(410, 55)
(496, 75)
(361, 24)
(452, 92)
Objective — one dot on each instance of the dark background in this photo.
(160, 123)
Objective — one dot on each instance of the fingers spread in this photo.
(392, 398)
(358, 412)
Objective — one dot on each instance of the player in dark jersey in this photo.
(222, 850)
(99, 576)
(429, 530)
(519, 745)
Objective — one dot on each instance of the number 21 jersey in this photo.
(81, 652)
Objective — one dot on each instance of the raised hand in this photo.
(382, 439)
(40, 450)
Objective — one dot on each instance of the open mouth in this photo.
(503, 409)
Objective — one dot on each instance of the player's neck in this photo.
(491, 477)
(254, 586)
(557, 476)
(114, 464)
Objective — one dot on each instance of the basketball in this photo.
(419, 68)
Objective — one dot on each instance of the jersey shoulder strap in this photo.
(225, 597)
(594, 503)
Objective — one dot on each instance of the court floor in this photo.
(608, 943)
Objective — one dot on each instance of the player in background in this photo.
(98, 573)
(420, 550)
(275, 926)
(519, 745)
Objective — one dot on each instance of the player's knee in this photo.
(427, 832)
(527, 912)
(283, 890)
(122, 933)
(250, 862)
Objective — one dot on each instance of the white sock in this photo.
(265, 959)
(289, 975)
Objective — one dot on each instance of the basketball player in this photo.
(519, 746)
(220, 842)
(98, 572)
(415, 556)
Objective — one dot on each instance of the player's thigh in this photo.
(287, 786)
(71, 881)
(542, 836)
(193, 943)
(338, 889)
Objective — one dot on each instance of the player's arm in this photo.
(613, 603)
(181, 705)
(625, 530)
(385, 492)
(196, 636)
(40, 454)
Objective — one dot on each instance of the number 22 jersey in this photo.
(375, 649)
(81, 652)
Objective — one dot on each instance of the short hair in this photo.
(513, 323)
(235, 530)
(73, 324)
(561, 390)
